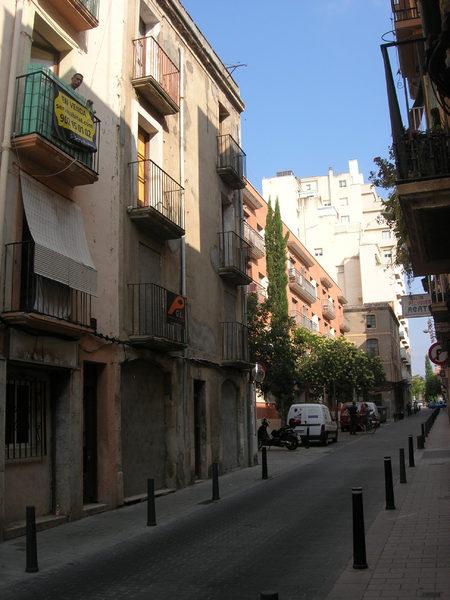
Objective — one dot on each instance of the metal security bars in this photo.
(149, 314)
(25, 418)
(235, 343)
(234, 252)
(421, 143)
(156, 189)
(231, 162)
(405, 10)
(150, 60)
(35, 114)
(25, 291)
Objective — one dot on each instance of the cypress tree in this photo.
(276, 243)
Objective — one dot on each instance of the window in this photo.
(25, 431)
(326, 202)
(386, 234)
(343, 201)
(387, 254)
(371, 322)
(345, 219)
(342, 183)
(372, 347)
(308, 187)
(339, 269)
(318, 251)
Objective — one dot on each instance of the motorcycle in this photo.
(283, 437)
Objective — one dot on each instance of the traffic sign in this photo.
(437, 354)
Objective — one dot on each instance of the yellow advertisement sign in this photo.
(74, 121)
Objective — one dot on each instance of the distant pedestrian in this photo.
(408, 409)
(353, 414)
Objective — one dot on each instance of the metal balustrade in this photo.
(235, 343)
(328, 310)
(303, 321)
(256, 241)
(150, 61)
(35, 114)
(25, 291)
(150, 308)
(405, 10)
(233, 257)
(231, 161)
(157, 190)
(259, 290)
(301, 285)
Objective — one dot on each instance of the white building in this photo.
(339, 219)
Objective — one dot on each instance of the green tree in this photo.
(385, 177)
(433, 386)
(417, 387)
(270, 335)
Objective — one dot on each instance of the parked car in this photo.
(313, 417)
(366, 410)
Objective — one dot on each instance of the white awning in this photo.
(56, 225)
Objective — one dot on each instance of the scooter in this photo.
(283, 437)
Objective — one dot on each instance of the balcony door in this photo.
(151, 296)
(44, 53)
(143, 154)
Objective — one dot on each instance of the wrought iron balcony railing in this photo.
(256, 241)
(151, 62)
(231, 161)
(301, 285)
(328, 310)
(259, 290)
(158, 191)
(302, 320)
(158, 316)
(233, 258)
(25, 291)
(235, 344)
(46, 106)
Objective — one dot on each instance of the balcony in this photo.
(258, 290)
(439, 289)
(257, 246)
(233, 258)
(80, 14)
(328, 310)
(405, 356)
(39, 304)
(55, 130)
(231, 162)
(301, 286)
(158, 209)
(158, 317)
(421, 147)
(344, 326)
(235, 346)
(155, 76)
(405, 10)
(302, 320)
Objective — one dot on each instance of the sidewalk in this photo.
(76, 541)
(408, 550)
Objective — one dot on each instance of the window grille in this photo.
(26, 433)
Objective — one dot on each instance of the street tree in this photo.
(417, 387)
(433, 386)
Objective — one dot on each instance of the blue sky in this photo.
(313, 87)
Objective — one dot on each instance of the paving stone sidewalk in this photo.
(408, 550)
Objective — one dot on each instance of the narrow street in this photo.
(292, 534)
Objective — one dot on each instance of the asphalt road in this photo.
(291, 534)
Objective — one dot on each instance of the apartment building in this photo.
(419, 124)
(124, 348)
(315, 301)
(339, 219)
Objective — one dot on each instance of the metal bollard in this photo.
(422, 426)
(359, 537)
(215, 482)
(268, 596)
(402, 466)
(151, 513)
(388, 484)
(420, 442)
(411, 451)
(264, 463)
(31, 544)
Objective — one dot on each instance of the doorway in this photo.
(90, 376)
(199, 426)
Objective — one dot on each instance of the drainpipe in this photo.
(6, 143)
(184, 384)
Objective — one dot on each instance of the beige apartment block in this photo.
(123, 340)
(338, 217)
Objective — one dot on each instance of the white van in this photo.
(313, 417)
